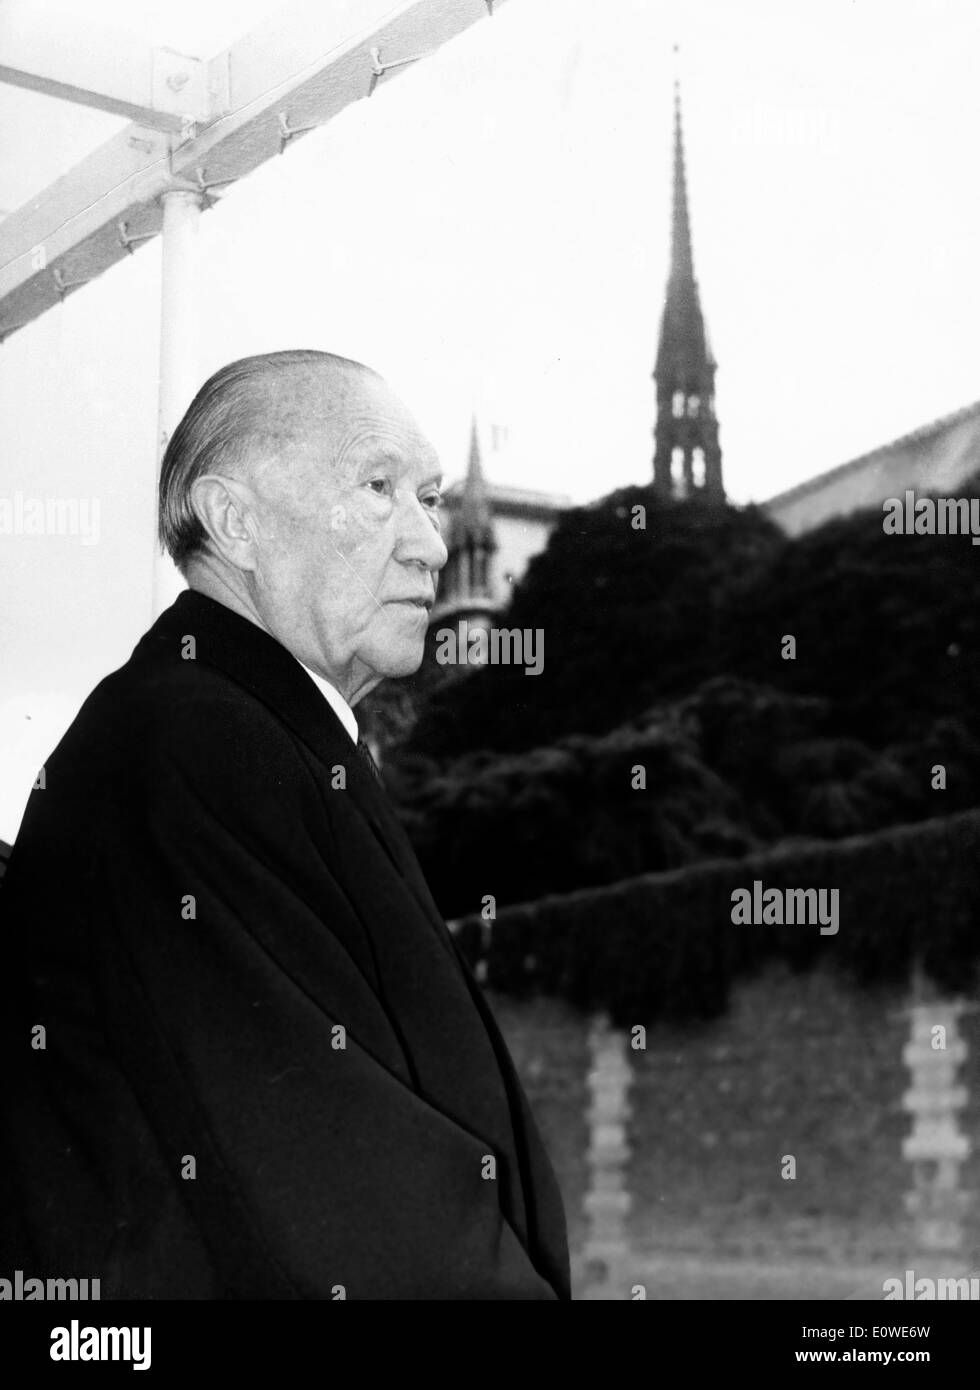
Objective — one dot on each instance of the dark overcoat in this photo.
(243, 1056)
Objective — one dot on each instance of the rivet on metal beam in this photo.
(183, 183)
(126, 241)
(288, 132)
(378, 68)
(63, 285)
(203, 186)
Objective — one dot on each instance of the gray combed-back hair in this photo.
(216, 434)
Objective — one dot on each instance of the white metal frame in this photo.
(196, 126)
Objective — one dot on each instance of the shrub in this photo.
(663, 946)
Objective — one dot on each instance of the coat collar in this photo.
(253, 659)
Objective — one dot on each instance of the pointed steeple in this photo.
(473, 523)
(681, 255)
(466, 584)
(687, 455)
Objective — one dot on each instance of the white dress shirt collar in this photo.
(336, 701)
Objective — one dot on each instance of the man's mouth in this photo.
(424, 603)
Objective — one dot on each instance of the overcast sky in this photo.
(491, 229)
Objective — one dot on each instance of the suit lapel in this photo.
(390, 833)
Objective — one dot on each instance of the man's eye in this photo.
(381, 485)
(433, 500)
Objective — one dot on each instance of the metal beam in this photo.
(293, 74)
(75, 60)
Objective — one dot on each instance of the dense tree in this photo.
(887, 628)
(628, 616)
(664, 645)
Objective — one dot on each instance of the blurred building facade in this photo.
(492, 532)
(935, 458)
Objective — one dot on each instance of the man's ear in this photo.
(225, 508)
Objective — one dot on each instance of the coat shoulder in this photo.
(154, 733)
(150, 709)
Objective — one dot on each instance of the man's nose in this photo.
(418, 539)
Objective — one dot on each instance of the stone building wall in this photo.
(805, 1065)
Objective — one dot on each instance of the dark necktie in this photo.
(368, 756)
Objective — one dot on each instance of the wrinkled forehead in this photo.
(329, 422)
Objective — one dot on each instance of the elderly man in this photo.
(243, 1056)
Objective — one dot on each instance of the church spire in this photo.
(687, 456)
(681, 255)
(466, 584)
(473, 523)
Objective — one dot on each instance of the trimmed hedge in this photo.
(663, 946)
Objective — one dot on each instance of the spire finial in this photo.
(682, 260)
(475, 470)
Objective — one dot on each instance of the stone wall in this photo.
(801, 1065)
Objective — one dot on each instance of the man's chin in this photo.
(401, 661)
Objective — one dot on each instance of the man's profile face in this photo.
(348, 531)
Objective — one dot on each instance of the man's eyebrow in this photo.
(378, 454)
(393, 456)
